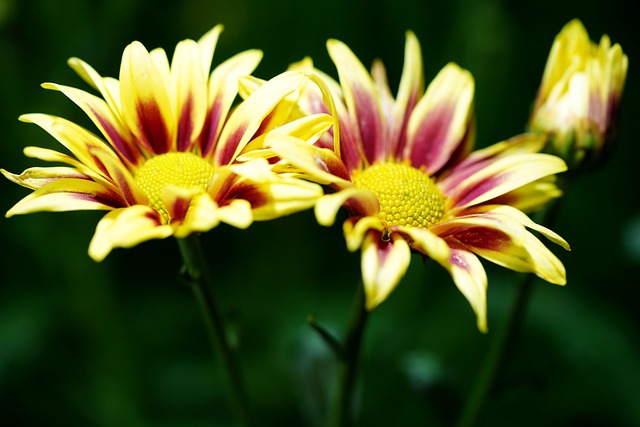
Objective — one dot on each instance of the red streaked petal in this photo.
(501, 238)
(502, 176)
(97, 159)
(189, 94)
(409, 91)
(307, 130)
(362, 100)
(470, 278)
(248, 117)
(320, 165)
(145, 100)
(105, 120)
(37, 177)
(68, 194)
(441, 120)
(384, 263)
(520, 144)
(125, 228)
(222, 91)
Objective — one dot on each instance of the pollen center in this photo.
(407, 196)
(183, 170)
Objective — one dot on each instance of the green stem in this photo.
(502, 344)
(197, 274)
(496, 355)
(342, 415)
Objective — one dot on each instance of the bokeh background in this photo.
(121, 343)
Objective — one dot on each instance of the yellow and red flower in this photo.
(577, 103)
(404, 171)
(169, 162)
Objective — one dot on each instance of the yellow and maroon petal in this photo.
(37, 177)
(108, 87)
(502, 176)
(248, 117)
(320, 165)
(470, 278)
(409, 91)
(442, 120)
(358, 203)
(384, 263)
(520, 144)
(96, 158)
(530, 197)
(105, 120)
(504, 240)
(68, 194)
(126, 227)
(190, 211)
(222, 91)
(362, 101)
(145, 100)
(305, 130)
(189, 93)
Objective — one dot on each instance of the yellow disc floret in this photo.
(183, 170)
(407, 196)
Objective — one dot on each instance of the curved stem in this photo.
(501, 346)
(196, 273)
(342, 415)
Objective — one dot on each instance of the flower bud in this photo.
(577, 103)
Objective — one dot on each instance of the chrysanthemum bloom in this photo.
(577, 103)
(404, 171)
(170, 163)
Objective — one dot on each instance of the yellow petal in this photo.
(145, 100)
(328, 206)
(428, 243)
(383, 265)
(66, 194)
(125, 228)
(238, 214)
(355, 229)
(471, 279)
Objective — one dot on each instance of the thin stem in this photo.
(496, 355)
(197, 274)
(342, 415)
(502, 345)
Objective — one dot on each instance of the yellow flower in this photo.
(577, 103)
(404, 171)
(171, 161)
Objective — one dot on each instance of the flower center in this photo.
(184, 170)
(407, 196)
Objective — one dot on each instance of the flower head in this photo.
(404, 171)
(578, 99)
(170, 158)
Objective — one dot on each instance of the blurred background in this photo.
(121, 343)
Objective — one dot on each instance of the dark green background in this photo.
(121, 343)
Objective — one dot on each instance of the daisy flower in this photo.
(406, 174)
(167, 162)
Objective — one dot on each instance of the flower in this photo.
(171, 160)
(404, 171)
(577, 103)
